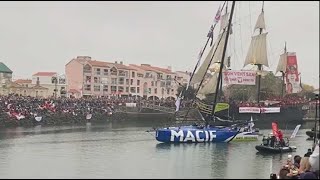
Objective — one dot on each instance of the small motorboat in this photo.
(269, 149)
(312, 133)
(275, 143)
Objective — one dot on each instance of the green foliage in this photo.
(189, 94)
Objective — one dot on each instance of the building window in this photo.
(168, 77)
(88, 79)
(133, 74)
(26, 85)
(140, 75)
(168, 91)
(155, 91)
(121, 73)
(156, 83)
(138, 90)
(113, 89)
(62, 80)
(162, 91)
(127, 89)
(133, 90)
(87, 88)
(127, 81)
(24, 92)
(149, 91)
(105, 88)
(87, 69)
(95, 79)
(121, 80)
(131, 81)
(120, 89)
(138, 82)
(96, 88)
(105, 72)
(168, 83)
(163, 84)
(113, 71)
(98, 71)
(152, 83)
(113, 80)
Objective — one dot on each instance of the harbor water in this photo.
(126, 151)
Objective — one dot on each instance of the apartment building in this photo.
(87, 77)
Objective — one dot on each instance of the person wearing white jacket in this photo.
(314, 159)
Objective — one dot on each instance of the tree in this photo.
(189, 94)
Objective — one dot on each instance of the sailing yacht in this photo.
(208, 132)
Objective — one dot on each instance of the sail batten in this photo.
(257, 53)
(282, 64)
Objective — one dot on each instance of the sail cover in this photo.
(282, 64)
(257, 53)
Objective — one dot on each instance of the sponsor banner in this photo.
(239, 77)
(259, 110)
(292, 74)
(131, 104)
(221, 107)
(249, 110)
(270, 110)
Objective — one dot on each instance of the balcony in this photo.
(121, 82)
(122, 74)
(114, 73)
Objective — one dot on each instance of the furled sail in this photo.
(260, 24)
(197, 77)
(210, 86)
(282, 64)
(224, 21)
(216, 58)
(257, 53)
(218, 55)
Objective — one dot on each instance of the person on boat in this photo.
(308, 153)
(272, 141)
(281, 140)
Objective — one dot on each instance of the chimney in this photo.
(116, 62)
(121, 62)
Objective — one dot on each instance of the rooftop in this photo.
(45, 74)
(4, 68)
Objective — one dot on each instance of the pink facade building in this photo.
(87, 77)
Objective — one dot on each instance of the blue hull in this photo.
(194, 134)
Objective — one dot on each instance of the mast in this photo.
(222, 59)
(260, 65)
(220, 89)
(283, 72)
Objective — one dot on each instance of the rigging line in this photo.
(205, 74)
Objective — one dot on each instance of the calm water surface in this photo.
(117, 151)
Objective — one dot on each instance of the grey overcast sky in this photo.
(44, 36)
